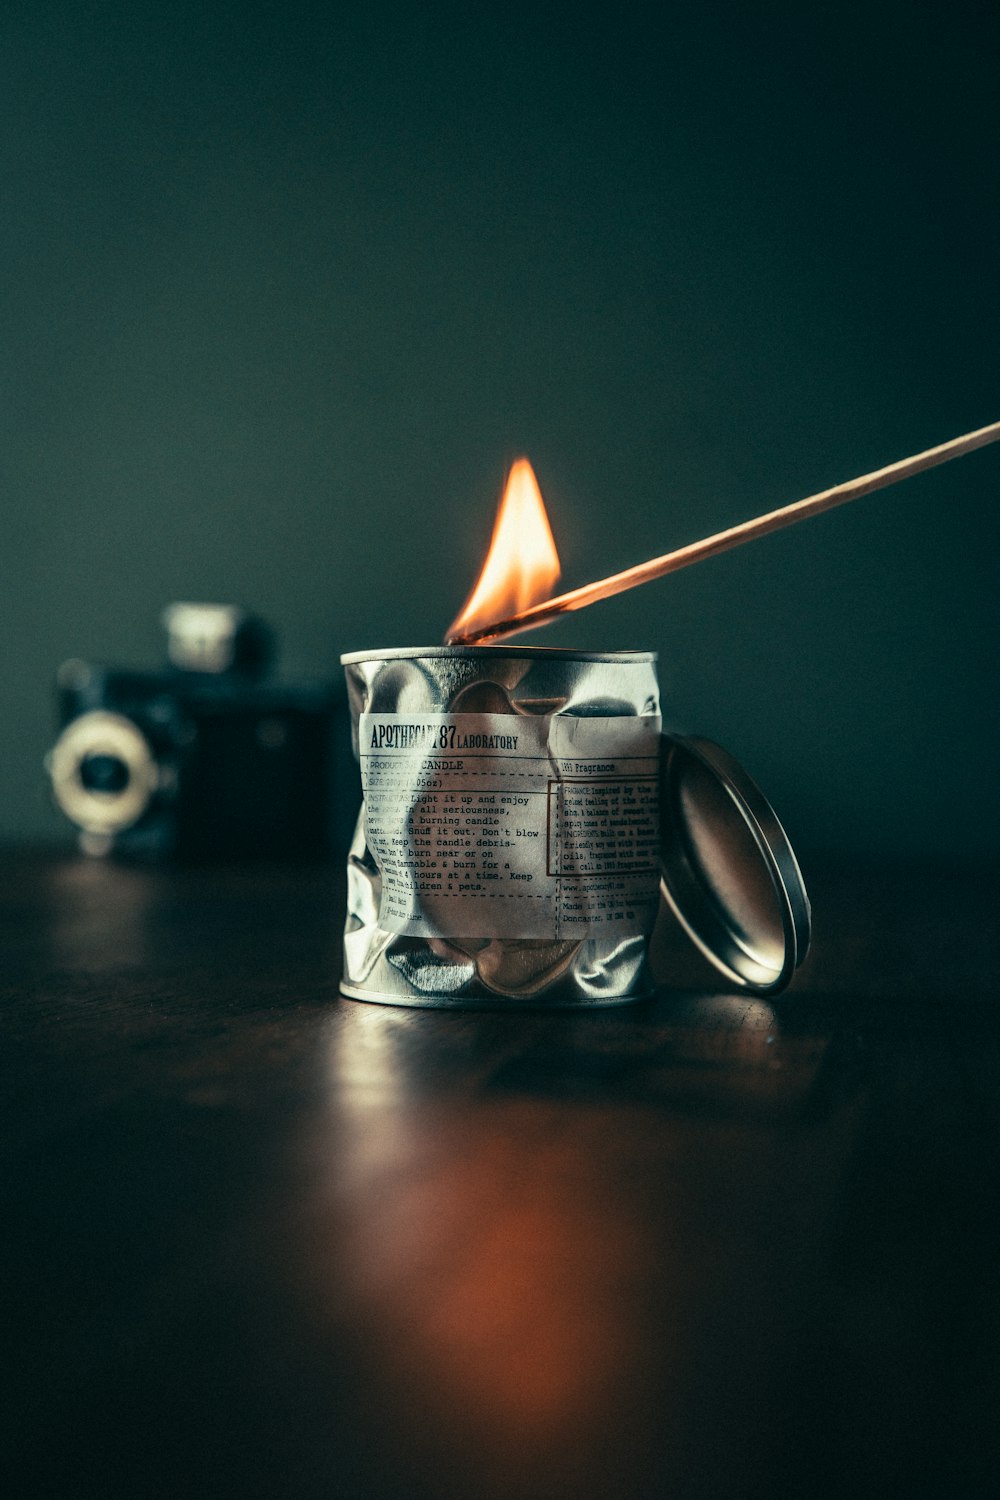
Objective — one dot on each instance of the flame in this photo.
(522, 565)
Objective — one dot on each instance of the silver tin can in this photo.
(507, 848)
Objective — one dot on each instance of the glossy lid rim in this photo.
(712, 927)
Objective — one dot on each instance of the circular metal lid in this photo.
(729, 873)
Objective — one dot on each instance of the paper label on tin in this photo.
(513, 826)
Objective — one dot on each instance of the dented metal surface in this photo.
(449, 968)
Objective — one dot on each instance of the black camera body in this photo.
(206, 757)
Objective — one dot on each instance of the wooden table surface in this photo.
(261, 1240)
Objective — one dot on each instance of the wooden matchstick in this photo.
(735, 536)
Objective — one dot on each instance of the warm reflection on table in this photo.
(264, 1241)
(483, 1259)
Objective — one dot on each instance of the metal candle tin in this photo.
(521, 811)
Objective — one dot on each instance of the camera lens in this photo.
(104, 773)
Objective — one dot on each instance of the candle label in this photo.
(513, 826)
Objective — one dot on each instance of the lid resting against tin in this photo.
(729, 873)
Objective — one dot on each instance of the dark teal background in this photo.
(286, 287)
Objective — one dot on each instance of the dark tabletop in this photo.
(261, 1240)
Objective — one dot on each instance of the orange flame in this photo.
(522, 565)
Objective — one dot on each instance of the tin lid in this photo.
(729, 873)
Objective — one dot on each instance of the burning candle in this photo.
(522, 812)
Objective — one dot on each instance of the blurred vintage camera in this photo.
(205, 758)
